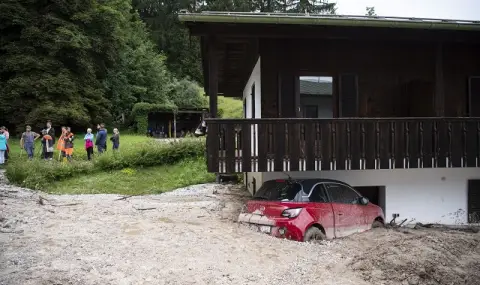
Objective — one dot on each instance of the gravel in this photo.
(187, 236)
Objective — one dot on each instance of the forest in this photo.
(82, 62)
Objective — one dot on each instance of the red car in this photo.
(310, 209)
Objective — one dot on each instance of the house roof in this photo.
(308, 87)
(328, 20)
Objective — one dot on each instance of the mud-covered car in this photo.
(310, 209)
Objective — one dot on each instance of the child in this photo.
(28, 141)
(47, 143)
(115, 139)
(89, 143)
(68, 143)
(3, 146)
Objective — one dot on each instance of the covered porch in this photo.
(402, 93)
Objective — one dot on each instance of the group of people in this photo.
(64, 144)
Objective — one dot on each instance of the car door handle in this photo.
(340, 214)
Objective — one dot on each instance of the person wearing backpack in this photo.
(68, 139)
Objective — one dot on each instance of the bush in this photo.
(37, 174)
(151, 154)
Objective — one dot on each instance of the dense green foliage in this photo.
(38, 174)
(82, 62)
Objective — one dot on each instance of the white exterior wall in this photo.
(428, 195)
(254, 79)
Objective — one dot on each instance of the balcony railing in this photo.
(263, 145)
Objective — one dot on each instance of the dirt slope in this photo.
(188, 237)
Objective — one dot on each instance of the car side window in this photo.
(342, 194)
(318, 194)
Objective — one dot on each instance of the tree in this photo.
(370, 12)
(310, 6)
(171, 37)
(140, 74)
(54, 57)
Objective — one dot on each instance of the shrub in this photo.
(36, 174)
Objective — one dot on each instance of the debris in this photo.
(144, 209)
(124, 197)
(65, 205)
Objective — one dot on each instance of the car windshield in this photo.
(279, 190)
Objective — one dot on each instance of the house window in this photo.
(316, 96)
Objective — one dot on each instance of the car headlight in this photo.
(291, 213)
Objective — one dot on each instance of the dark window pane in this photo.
(277, 190)
(342, 194)
(318, 195)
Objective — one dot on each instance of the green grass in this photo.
(231, 108)
(142, 165)
(139, 181)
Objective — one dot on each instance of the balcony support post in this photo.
(213, 76)
(439, 82)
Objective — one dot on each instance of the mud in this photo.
(189, 236)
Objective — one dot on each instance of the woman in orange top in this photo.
(61, 144)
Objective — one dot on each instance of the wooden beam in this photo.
(439, 82)
(212, 77)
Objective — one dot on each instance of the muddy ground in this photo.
(189, 237)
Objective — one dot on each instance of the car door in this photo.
(321, 209)
(348, 214)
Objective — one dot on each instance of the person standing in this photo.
(68, 139)
(3, 146)
(115, 139)
(101, 140)
(61, 144)
(89, 143)
(28, 141)
(51, 132)
(7, 137)
(47, 145)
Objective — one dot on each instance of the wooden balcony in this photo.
(263, 145)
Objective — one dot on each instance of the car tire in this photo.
(377, 224)
(314, 234)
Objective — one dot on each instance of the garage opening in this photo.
(474, 201)
(376, 194)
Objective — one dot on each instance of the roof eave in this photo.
(325, 21)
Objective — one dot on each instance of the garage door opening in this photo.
(376, 194)
(474, 201)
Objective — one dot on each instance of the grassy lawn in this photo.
(143, 166)
(231, 108)
(129, 181)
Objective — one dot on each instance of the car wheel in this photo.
(377, 224)
(314, 234)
